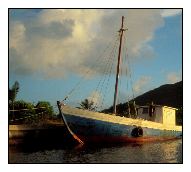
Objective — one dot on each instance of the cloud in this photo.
(141, 84)
(55, 43)
(95, 97)
(170, 12)
(173, 77)
(54, 30)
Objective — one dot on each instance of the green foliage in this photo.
(21, 104)
(87, 104)
(27, 113)
(13, 92)
(21, 109)
(44, 106)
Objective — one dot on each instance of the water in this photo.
(158, 152)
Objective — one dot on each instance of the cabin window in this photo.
(145, 110)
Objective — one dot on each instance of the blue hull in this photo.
(91, 128)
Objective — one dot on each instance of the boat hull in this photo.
(91, 130)
(101, 127)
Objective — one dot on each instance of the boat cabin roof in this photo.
(145, 106)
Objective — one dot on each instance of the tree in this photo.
(87, 104)
(13, 92)
(12, 96)
(21, 104)
(44, 106)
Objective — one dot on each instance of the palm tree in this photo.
(87, 104)
(13, 92)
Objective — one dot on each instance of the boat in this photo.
(152, 122)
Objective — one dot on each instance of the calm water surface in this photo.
(162, 152)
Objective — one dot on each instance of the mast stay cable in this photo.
(130, 70)
(87, 72)
(109, 74)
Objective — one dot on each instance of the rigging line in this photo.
(128, 85)
(109, 77)
(111, 60)
(121, 70)
(112, 55)
(102, 80)
(106, 69)
(105, 73)
(125, 66)
(130, 71)
(108, 62)
(126, 70)
(112, 46)
(128, 65)
(87, 72)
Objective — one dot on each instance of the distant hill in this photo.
(169, 95)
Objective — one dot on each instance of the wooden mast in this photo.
(118, 66)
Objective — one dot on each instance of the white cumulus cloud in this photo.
(55, 42)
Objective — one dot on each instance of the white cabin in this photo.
(161, 114)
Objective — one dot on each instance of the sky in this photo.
(52, 50)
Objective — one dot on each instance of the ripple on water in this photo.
(162, 152)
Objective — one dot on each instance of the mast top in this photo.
(122, 24)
